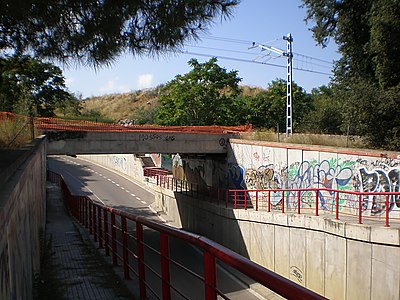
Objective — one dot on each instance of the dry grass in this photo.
(307, 139)
(14, 135)
(121, 106)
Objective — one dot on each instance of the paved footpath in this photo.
(74, 268)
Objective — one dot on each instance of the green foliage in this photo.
(204, 96)
(268, 109)
(367, 76)
(326, 116)
(29, 86)
(145, 115)
(95, 32)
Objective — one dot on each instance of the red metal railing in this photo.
(337, 203)
(122, 235)
(154, 172)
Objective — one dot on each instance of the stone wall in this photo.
(22, 221)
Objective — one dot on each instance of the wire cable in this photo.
(252, 61)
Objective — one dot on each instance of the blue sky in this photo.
(260, 21)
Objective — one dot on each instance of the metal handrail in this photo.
(97, 217)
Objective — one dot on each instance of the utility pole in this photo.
(289, 94)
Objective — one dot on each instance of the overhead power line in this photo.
(250, 61)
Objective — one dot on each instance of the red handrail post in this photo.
(113, 239)
(140, 260)
(94, 207)
(165, 272)
(256, 200)
(90, 217)
(387, 211)
(210, 278)
(298, 201)
(283, 201)
(234, 199)
(106, 238)
(80, 210)
(86, 212)
(269, 201)
(359, 209)
(337, 205)
(125, 257)
(245, 199)
(316, 202)
(99, 228)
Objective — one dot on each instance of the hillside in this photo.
(121, 106)
(124, 105)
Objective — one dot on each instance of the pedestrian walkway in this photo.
(73, 268)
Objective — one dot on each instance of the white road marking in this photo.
(133, 195)
(143, 202)
(112, 181)
(117, 184)
(122, 188)
(138, 198)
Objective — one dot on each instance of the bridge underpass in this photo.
(353, 245)
(130, 142)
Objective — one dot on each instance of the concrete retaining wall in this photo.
(22, 222)
(332, 258)
(127, 164)
(338, 260)
(261, 165)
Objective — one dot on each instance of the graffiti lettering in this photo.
(380, 181)
(119, 162)
(297, 273)
(149, 137)
(169, 138)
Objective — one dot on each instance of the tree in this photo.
(268, 108)
(368, 35)
(30, 86)
(95, 32)
(204, 96)
(327, 113)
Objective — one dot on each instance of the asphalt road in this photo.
(111, 189)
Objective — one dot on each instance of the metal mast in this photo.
(289, 93)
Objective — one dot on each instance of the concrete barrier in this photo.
(331, 257)
(336, 259)
(22, 220)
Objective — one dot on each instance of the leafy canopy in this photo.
(96, 31)
(30, 86)
(367, 77)
(204, 96)
(268, 109)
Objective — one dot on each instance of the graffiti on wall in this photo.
(380, 181)
(119, 162)
(332, 174)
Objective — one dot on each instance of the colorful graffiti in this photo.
(380, 181)
(332, 174)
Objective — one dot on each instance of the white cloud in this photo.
(145, 81)
(112, 86)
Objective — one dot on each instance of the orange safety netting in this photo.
(82, 125)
